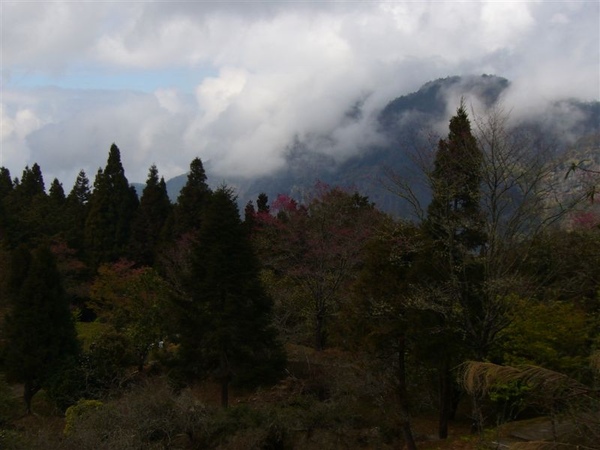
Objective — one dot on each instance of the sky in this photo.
(236, 83)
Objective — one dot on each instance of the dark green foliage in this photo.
(80, 194)
(262, 203)
(112, 207)
(6, 188)
(77, 210)
(56, 193)
(226, 325)
(32, 182)
(39, 334)
(452, 272)
(6, 184)
(454, 216)
(249, 215)
(187, 213)
(26, 207)
(150, 219)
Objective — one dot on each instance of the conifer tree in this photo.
(56, 192)
(77, 205)
(187, 213)
(6, 184)
(80, 193)
(226, 325)
(454, 216)
(40, 336)
(262, 203)
(6, 188)
(27, 207)
(57, 220)
(32, 182)
(455, 227)
(249, 216)
(150, 219)
(112, 207)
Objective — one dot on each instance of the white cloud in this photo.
(279, 71)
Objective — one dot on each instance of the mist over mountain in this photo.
(407, 125)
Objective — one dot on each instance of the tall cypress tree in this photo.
(455, 226)
(150, 219)
(454, 216)
(77, 205)
(112, 207)
(188, 211)
(226, 325)
(40, 335)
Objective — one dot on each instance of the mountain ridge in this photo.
(404, 124)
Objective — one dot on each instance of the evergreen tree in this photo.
(262, 203)
(27, 208)
(40, 336)
(150, 219)
(187, 213)
(455, 225)
(226, 326)
(32, 182)
(6, 184)
(56, 193)
(112, 207)
(77, 205)
(80, 193)
(6, 188)
(249, 216)
(454, 217)
(57, 220)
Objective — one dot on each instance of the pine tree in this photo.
(40, 336)
(150, 219)
(226, 326)
(112, 207)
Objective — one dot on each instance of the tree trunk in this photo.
(29, 390)
(445, 387)
(320, 331)
(225, 392)
(225, 378)
(403, 397)
(477, 413)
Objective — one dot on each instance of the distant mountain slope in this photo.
(405, 124)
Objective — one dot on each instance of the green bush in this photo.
(74, 413)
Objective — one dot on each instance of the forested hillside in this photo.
(313, 322)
